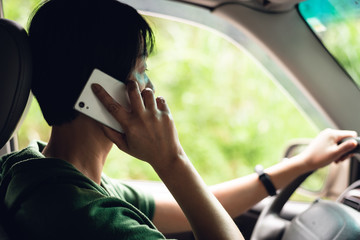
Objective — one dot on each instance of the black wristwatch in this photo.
(265, 179)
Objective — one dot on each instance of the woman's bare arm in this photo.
(238, 195)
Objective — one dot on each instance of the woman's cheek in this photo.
(141, 79)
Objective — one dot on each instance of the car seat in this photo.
(15, 77)
(15, 82)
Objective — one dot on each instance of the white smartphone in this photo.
(90, 105)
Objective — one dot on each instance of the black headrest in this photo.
(15, 76)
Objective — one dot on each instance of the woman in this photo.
(60, 185)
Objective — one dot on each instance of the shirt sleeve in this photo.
(110, 219)
(72, 212)
(139, 199)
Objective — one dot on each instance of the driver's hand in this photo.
(325, 149)
(149, 130)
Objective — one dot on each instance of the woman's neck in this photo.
(82, 143)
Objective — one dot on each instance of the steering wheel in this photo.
(322, 220)
(270, 225)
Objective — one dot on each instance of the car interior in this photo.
(276, 35)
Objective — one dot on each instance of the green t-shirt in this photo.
(46, 198)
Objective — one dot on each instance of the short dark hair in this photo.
(69, 38)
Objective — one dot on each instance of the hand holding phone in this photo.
(90, 105)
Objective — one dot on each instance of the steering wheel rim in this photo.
(270, 225)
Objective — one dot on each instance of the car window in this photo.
(229, 112)
(337, 24)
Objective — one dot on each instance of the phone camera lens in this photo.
(81, 104)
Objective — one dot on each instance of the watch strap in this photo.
(266, 181)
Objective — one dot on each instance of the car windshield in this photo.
(337, 24)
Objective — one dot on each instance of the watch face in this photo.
(259, 169)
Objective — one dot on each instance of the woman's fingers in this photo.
(325, 148)
(149, 99)
(344, 134)
(161, 104)
(118, 138)
(110, 104)
(149, 131)
(121, 114)
(135, 98)
(345, 149)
